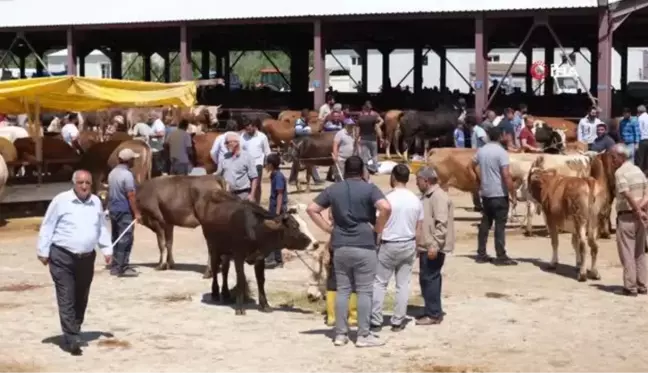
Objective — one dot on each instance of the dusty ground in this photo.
(501, 319)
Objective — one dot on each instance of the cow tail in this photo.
(592, 208)
(149, 162)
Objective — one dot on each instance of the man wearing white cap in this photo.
(123, 208)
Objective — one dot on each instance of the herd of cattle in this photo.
(582, 206)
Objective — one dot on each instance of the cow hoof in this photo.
(239, 312)
(552, 267)
(527, 233)
(161, 267)
(605, 236)
(265, 308)
(170, 265)
(593, 275)
(582, 277)
(208, 274)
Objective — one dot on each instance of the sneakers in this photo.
(128, 272)
(340, 340)
(370, 340)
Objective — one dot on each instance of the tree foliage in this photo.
(248, 68)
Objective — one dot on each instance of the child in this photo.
(278, 201)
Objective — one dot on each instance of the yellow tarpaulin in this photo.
(71, 93)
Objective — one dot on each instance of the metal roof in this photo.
(35, 13)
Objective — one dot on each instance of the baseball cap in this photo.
(127, 154)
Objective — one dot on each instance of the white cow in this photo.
(12, 133)
(4, 175)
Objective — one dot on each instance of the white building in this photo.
(97, 65)
(402, 60)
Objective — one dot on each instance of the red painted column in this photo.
(71, 53)
(319, 81)
(604, 73)
(186, 69)
(481, 67)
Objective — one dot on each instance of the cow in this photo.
(203, 117)
(55, 150)
(567, 127)
(246, 232)
(392, 124)
(437, 125)
(4, 175)
(169, 201)
(202, 144)
(310, 151)
(569, 203)
(12, 133)
(142, 165)
(95, 161)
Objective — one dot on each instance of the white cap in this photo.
(127, 154)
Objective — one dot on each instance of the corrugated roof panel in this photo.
(31, 13)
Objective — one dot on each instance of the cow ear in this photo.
(292, 210)
(273, 224)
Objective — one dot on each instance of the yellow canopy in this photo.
(71, 93)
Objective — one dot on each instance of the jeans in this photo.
(495, 209)
(159, 164)
(369, 151)
(398, 258)
(257, 192)
(180, 168)
(122, 249)
(431, 280)
(476, 199)
(641, 156)
(355, 268)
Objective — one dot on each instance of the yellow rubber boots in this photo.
(330, 309)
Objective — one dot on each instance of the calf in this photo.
(310, 151)
(246, 232)
(568, 203)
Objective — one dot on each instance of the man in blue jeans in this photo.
(123, 208)
(354, 234)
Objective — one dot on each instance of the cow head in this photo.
(292, 236)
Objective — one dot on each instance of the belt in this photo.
(625, 212)
(76, 255)
(399, 241)
(240, 191)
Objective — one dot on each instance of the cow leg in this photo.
(577, 253)
(529, 219)
(239, 264)
(583, 251)
(159, 230)
(208, 271)
(168, 234)
(214, 262)
(225, 265)
(259, 273)
(593, 273)
(309, 171)
(605, 225)
(553, 235)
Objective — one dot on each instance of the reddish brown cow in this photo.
(55, 150)
(95, 160)
(202, 144)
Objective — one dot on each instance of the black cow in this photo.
(436, 126)
(247, 233)
(549, 139)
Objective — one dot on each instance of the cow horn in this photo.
(272, 224)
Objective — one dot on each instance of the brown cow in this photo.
(54, 149)
(392, 124)
(310, 151)
(246, 232)
(202, 144)
(95, 161)
(169, 201)
(569, 128)
(569, 203)
(142, 167)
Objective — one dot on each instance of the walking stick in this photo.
(123, 233)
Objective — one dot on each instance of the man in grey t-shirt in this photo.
(344, 146)
(495, 187)
(354, 235)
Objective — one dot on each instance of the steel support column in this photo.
(39, 67)
(548, 61)
(22, 64)
(319, 82)
(146, 65)
(205, 65)
(82, 69)
(116, 64)
(623, 53)
(71, 53)
(299, 76)
(481, 67)
(604, 86)
(443, 68)
(228, 70)
(364, 76)
(186, 69)
(528, 79)
(386, 76)
(219, 64)
(418, 70)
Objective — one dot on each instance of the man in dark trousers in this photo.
(180, 149)
(122, 207)
(354, 236)
(71, 229)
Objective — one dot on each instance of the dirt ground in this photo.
(498, 318)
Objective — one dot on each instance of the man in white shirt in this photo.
(397, 249)
(587, 127)
(219, 147)
(70, 131)
(641, 155)
(156, 141)
(256, 144)
(326, 109)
